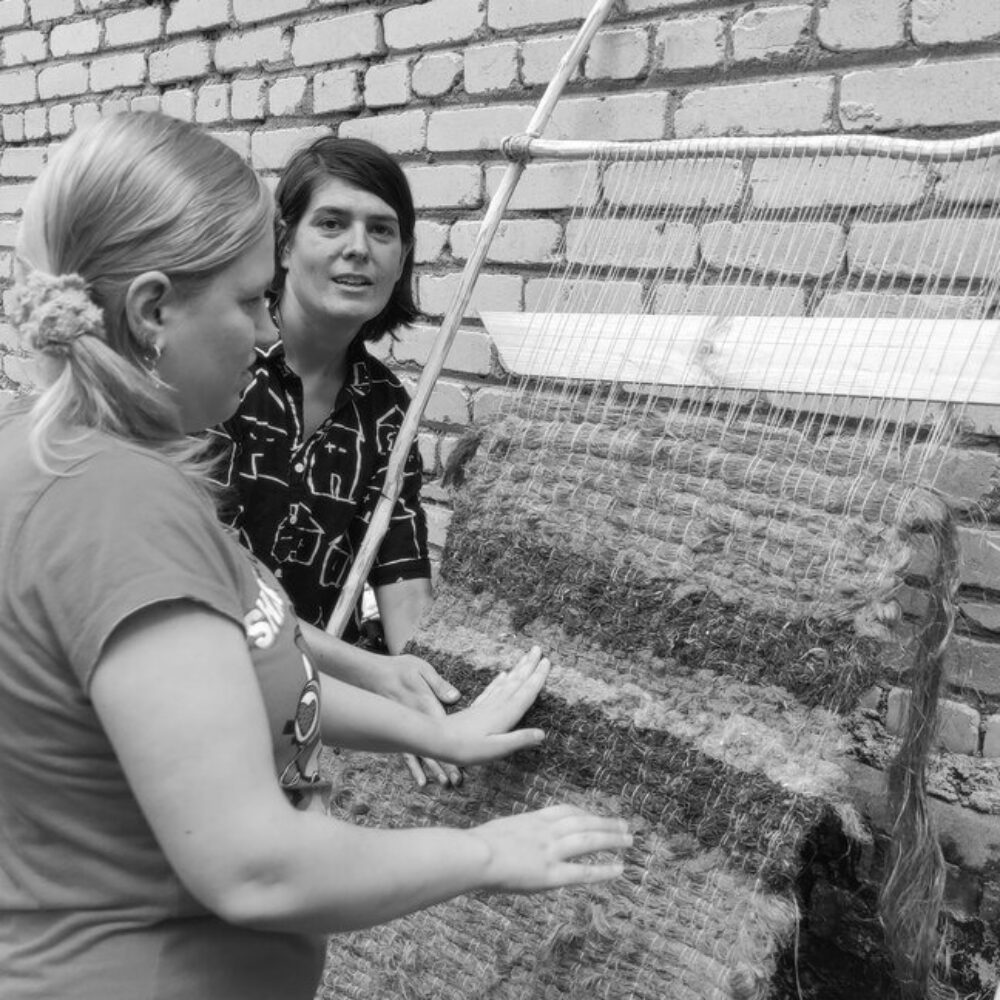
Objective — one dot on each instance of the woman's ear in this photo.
(144, 302)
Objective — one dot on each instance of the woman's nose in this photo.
(357, 242)
(265, 332)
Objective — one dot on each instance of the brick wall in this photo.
(440, 83)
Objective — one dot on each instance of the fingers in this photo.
(436, 771)
(586, 874)
(415, 769)
(504, 744)
(443, 691)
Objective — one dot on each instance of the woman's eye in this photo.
(331, 225)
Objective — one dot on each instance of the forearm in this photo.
(343, 661)
(401, 605)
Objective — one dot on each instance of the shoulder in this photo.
(384, 380)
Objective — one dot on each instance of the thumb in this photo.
(504, 744)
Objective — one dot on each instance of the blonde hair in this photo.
(136, 192)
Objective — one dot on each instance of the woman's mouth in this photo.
(352, 280)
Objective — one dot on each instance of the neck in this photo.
(313, 348)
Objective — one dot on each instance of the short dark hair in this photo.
(372, 169)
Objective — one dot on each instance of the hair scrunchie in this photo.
(50, 311)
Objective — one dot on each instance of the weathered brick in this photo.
(540, 59)
(8, 234)
(770, 31)
(8, 335)
(250, 11)
(438, 519)
(516, 241)
(247, 100)
(427, 446)
(582, 295)
(22, 161)
(448, 404)
(185, 61)
(493, 292)
(50, 10)
(958, 727)
(955, 92)
(814, 249)
(936, 22)
(13, 13)
(491, 67)
(446, 185)
(239, 141)
(179, 103)
(430, 239)
(85, 114)
(18, 86)
(195, 15)
(124, 69)
(690, 43)
(336, 90)
(726, 299)
(59, 81)
(21, 47)
(983, 616)
(252, 48)
(402, 133)
(22, 370)
(435, 22)
(133, 27)
(806, 182)
(548, 185)
(991, 737)
(897, 705)
(287, 95)
(618, 54)
(387, 84)
(943, 248)
(61, 119)
(94, 5)
(475, 128)
(271, 149)
(436, 73)
(980, 549)
(778, 107)
(75, 39)
(859, 24)
(350, 36)
(968, 181)
(212, 103)
(684, 183)
(504, 14)
(631, 243)
(873, 305)
(470, 351)
(145, 102)
(36, 123)
(973, 664)
(13, 126)
(114, 105)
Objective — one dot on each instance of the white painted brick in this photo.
(448, 404)
(690, 43)
(196, 15)
(873, 305)
(516, 241)
(21, 47)
(493, 292)
(684, 183)
(252, 48)
(50, 10)
(402, 133)
(547, 185)
(350, 36)
(124, 69)
(966, 181)
(185, 61)
(540, 59)
(287, 95)
(133, 27)
(470, 351)
(85, 114)
(430, 239)
(212, 103)
(958, 727)
(505, 14)
(616, 116)
(23, 371)
(897, 705)
(770, 31)
(629, 243)
(446, 185)
(36, 123)
(61, 119)
(935, 22)
(18, 86)
(475, 128)
(251, 11)
(8, 335)
(13, 126)
(849, 25)
(486, 403)
(145, 102)
(438, 519)
(991, 739)
(13, 13)
(75, 39)
(436, 73)
(114, 105)
(588, 295)
(435, 22)
(93, 5)
(247, 100)
(387, 84)
(948, 248)
(22, 161)
(773, 107)
(621, 54)
(8, 234)
(788, 248)
(336, 90)
(956, 92)
(427, 446)
(57, 81)
(272, 149)
(178, 103)
(727, 299)
(490, 67)
(238, 141)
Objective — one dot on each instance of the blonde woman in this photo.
(162, 830)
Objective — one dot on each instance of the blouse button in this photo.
(298, 467)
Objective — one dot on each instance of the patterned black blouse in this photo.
(302, 507)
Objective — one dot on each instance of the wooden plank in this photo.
(944, 360)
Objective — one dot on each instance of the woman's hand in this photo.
(481, 732)
(532, 851)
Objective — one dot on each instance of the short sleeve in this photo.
(122, 532)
